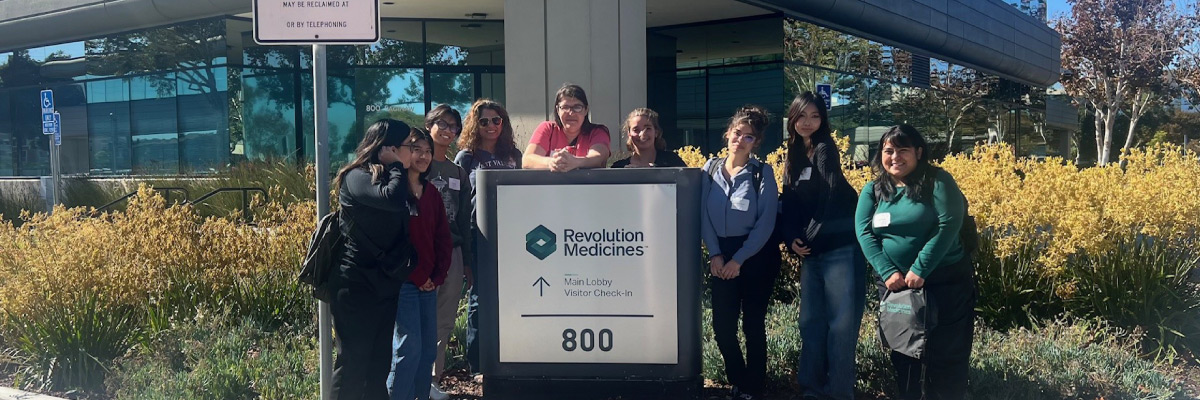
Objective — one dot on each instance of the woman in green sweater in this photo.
(908, 221)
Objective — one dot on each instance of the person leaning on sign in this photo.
(817, 223)
(644, 139)
(374, 196)
(572, 141)
(414, 345)
(486, 143)
(444, 124)
(908, 222)
(737, 218)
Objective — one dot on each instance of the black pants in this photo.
(363, 324)
(749, 294)
(942, 373)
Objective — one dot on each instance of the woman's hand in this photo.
(733, 269)
(895, 282)
(800, 249)
(428, 286)
(716, 265)
(914, 281)
(563, 161)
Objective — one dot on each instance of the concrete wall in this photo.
(989, 35)
(597, 44)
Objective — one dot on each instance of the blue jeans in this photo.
(832, 297)
(414, 344)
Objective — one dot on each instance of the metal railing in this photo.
(166, 192)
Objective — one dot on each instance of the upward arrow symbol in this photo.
(541, 284)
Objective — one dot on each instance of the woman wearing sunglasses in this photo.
(572, 141)
(486, 143)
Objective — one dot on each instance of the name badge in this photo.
(455, 184)
(741, 204)
(805, 174)
(882, 220)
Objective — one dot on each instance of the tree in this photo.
(1118, 56)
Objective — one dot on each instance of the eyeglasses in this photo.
(443, 125)
(483, 122)
(578, 108)
(419, 151)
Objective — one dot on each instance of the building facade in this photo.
(180, 88)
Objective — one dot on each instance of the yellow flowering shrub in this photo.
(76, 290)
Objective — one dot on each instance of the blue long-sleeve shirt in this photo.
(737, 208)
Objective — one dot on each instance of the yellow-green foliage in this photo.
(147, 266)
(1053, 202)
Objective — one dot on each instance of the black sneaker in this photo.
(735, 393)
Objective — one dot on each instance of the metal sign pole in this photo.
(53, 174)
(321, 158)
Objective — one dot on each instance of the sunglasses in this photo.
(483, 122)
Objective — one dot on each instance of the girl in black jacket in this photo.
(818, 225)
(374, 197)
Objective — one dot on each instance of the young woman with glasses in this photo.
(737, 218)
(572, 141)
(451, 180)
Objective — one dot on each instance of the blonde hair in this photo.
(659, 142)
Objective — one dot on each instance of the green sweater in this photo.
(899, 235)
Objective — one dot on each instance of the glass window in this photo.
(203, 118)
(455, 89)
(8, 163)
(268, 114)
(465, 42)
(108, 126)
(397, 93)
(154, 124)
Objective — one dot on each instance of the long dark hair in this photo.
(384, 132)
(920, 180)
(575, 91)
(797, 153)
(469, 140)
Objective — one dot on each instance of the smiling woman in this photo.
(572, 141)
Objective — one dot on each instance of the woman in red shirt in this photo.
(572, 141)
(414, 343)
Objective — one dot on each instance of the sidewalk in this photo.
(14, 394)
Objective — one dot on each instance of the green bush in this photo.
(219, 358)
(1013, 289)
(1143, 285)
(1054, 360)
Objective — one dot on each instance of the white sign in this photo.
(575, 286)
(316, 21)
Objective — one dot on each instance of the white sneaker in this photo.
(437, 394)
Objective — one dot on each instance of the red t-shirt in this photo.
(429, 231)
(551, 137)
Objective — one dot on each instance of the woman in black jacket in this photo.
(374, 197)
(818, 225)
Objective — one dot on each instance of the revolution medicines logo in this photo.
(540, 242)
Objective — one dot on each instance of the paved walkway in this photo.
(14, 394)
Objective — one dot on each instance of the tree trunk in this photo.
(1099, 120)
(1110, 125)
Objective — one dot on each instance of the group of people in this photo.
(408, 216)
